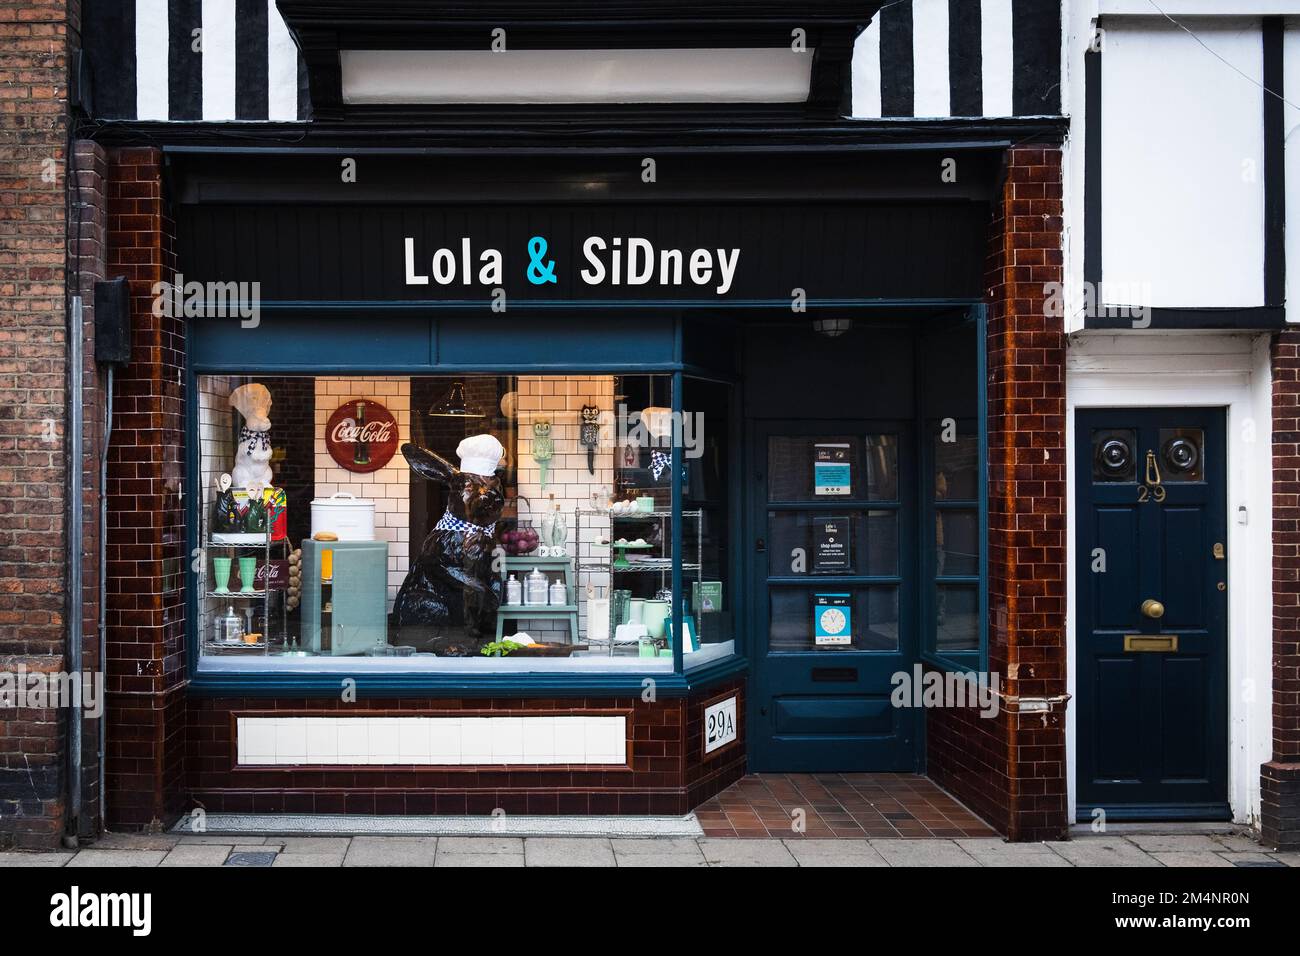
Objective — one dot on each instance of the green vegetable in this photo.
(500, 648)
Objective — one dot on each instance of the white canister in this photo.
(346, 515)
(559, 594)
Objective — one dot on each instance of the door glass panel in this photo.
(956, 468)
(817, 542)
(957, 617)
(855, 618)
(1182, 454)
(957, 537)
(825, 468)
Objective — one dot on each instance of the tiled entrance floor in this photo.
(838, 805)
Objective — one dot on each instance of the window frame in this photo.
(376, 683)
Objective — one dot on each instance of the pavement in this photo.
(1231, 848)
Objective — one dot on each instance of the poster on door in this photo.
(831, 545)
(832, 469)
(832, 619)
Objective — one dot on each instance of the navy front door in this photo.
(832, 521)
(1152, 614)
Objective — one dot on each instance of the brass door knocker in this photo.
(1152, 489)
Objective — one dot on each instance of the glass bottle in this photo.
(514, 591)
(535, 588)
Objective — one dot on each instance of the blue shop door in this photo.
(833, 595)
(1152, 614)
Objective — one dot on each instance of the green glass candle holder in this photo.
(247, 571)
(221, 575)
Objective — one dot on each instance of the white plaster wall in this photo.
(1230, 370)
(1291, 119)
(1182, 163)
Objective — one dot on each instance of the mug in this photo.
(635, 608)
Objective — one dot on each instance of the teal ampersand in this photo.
(539, 271)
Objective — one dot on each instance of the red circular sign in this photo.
(361, 435)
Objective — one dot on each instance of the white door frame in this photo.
(1224, 370)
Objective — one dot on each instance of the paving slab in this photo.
(1103, 851)
(25, 859)
(1175, 842)
(667, 852)
(117, 858)
(459, 845)
(923, 853)
(567, 851)
(391, 851)
(206, 854)
(998, 852)
(834, 853)
(1190, 858)
(1257, 857)
(479, 859)
(725, 852)
(316, 846)
(134, 841)
(1290, 859)
(226, 839)
(1237, 842)
(324, 860)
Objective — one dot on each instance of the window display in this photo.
(484, 522)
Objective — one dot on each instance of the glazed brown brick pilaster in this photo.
(1011, 768)
(146, 533)
(1280, 777)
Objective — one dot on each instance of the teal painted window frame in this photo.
(977, 659)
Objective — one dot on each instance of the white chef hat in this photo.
(480, 454)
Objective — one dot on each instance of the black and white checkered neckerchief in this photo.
(449, 522)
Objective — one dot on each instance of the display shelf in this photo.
(213, 604)
(523, 612)
(593, 516)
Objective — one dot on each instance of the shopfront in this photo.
(551, 498)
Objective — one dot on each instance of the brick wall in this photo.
(146, 556)
(1011, 769)
(667, 771)
(35, 38)
(1280, 777)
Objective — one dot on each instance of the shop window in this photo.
(952, 551)
(478, 523)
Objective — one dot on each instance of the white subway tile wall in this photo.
(389, 487)
(559, 399)
(431, 741)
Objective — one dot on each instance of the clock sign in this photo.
(832, 619)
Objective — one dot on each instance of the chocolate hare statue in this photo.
(449, 600)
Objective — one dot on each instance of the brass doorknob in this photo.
(1153, 608)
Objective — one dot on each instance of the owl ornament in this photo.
(543, 448)
(589, 434)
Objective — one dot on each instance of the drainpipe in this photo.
(103, 584)
(75, 529)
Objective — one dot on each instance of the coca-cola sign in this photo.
(273, 576)
(361, 435)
